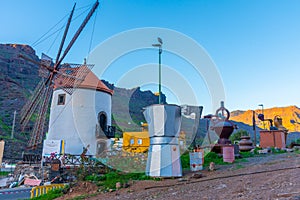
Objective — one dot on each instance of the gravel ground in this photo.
(266, 177)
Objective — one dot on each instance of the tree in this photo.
(237, 135)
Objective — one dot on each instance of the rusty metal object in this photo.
(245, 144)
(221, 125)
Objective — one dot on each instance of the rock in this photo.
(221, 186)
(212, 166)
(288, 150)
(263, 151)
(118, 185)
(182, 179)
(126, 185)
(197, 175)
(295, 148)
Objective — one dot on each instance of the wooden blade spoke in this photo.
(85, 21)
(32, 104)
(38, 131)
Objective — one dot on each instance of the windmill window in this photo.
(61, 99)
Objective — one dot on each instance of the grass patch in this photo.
(246, 154)
(83, 196)
(185, 161)
(4, 173)
(5, 128)
(213, 157)
(209, 157)
(277, 151)
(109, 180)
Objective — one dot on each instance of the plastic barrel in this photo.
(228, 154)
(196, 160)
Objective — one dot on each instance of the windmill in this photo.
(71, 74)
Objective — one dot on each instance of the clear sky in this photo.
(254, 44)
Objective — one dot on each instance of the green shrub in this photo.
(246, 154)
(185, 161)
(4, 173)
(277, 151)
(213, 157)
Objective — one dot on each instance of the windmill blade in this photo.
(36, 62)
(65, 34)
(38, 131)
(69, 78)
(31, 105)
(85, 21)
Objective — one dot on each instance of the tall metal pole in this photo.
(159, 45)
(262, 111)
(159, 76)
(262, 107)
(254, 127)
(13, 125)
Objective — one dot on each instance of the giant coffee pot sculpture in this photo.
(164, 123)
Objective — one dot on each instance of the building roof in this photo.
(91, 81)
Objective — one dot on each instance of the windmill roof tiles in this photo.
(91, 81)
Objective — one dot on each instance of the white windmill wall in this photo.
(75, 121)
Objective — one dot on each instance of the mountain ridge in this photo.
(287, 114)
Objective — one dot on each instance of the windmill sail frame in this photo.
(40, 100)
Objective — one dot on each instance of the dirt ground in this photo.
(266, 177)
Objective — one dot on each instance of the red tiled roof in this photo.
(91, 81)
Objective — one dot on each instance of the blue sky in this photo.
(254, 44)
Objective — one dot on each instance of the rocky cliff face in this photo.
(17, 81)
(17, 78)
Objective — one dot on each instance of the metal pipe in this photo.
(159, 76)
(159, 67)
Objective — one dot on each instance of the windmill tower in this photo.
(39, 102)
(80, 119)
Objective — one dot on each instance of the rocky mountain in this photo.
(127, 107)
(286, 113)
